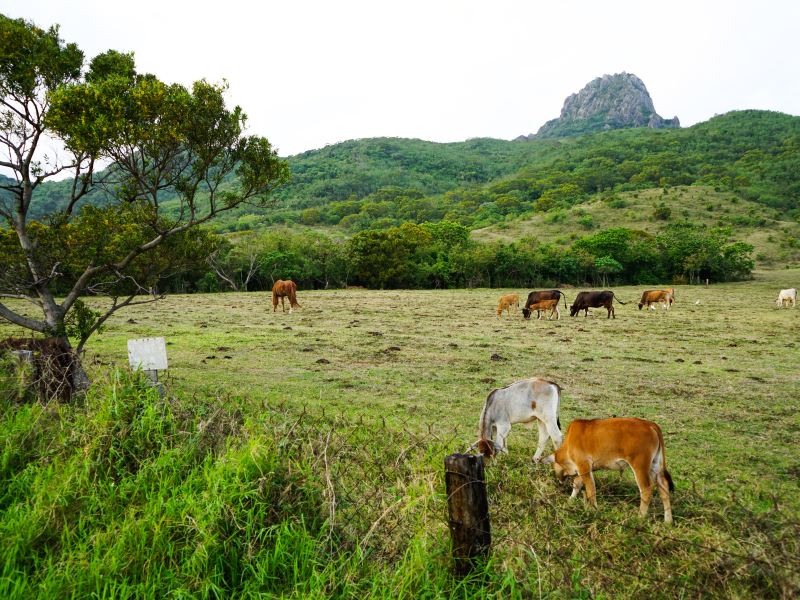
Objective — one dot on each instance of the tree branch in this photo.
(9, 315)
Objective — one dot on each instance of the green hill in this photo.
(747, 157)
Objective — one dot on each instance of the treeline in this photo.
(442, 255)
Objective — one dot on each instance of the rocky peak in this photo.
(617, 101)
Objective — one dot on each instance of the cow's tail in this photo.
(485, 443)
(564, 296)
(667, 476)
(617, 299)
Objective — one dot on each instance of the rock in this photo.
(619, 101)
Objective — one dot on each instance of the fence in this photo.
(384, 484)
(382, 481)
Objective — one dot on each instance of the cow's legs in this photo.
(585, 473)
(542, 440)
(577, 486)
(551, 422)
(502, 433)
(663, 491)
(641, 471)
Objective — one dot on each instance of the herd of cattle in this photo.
(547, 301)
(589, 444)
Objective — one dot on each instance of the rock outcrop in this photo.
(618, 101)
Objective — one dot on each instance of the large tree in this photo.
(175, 158)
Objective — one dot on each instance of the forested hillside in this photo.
(361, 184)
(602, 208)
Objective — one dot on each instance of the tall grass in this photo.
(124, 495)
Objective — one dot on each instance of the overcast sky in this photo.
(315, 72)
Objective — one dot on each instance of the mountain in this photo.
(619, 101)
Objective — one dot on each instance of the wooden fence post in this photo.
(468, 509)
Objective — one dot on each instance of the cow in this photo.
(282, 290)
(506, 302)
(652, 297)
(586, 300)
(595, 444)
(524, 402)
(543, 306)
(786, 297)
(535, 297)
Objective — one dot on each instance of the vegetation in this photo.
(372, 183)
(156, 137)
(442, 255)
(226, 488)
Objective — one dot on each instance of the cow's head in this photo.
(573, 310)
(487, 448)
(526, 312)
(561, 469)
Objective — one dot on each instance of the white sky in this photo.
(315, 72)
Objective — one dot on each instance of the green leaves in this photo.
(32, 59)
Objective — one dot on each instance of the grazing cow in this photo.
(505, 304)
(586, 300)
(524, 402)
(284, 289)
(544, 306)
(652, 297)
(535, 297)
(786, 297)
(595, 444)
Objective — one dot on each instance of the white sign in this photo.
(148, 354)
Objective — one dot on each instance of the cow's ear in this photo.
(548, 460)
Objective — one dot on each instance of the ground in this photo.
(719, 372)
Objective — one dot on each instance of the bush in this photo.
(662, 212)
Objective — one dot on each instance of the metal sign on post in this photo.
(149, 355)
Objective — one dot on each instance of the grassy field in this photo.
(774, 240)
(720, 373)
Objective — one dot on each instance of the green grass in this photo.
(301, 455)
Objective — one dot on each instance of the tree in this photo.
(177, 159)
(606, 266)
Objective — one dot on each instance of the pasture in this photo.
(719, 372)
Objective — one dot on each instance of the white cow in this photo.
(523, 402)
(787, 297)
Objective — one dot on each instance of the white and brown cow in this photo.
(527, 401)
(651, 298)
(787, 297)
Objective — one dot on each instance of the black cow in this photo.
(535, 297)
(586, 300)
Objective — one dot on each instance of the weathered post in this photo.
(468, 509)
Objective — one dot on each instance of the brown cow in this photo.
(663, 297)
(534, 297)
(544, 306)
(595, 444)
(284, 289)
(505, 304)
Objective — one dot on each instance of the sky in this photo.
(310, 73)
